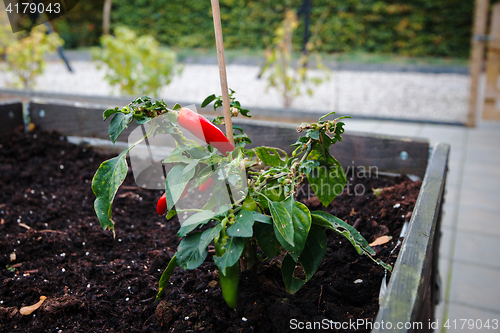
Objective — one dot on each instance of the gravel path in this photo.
(422, 96)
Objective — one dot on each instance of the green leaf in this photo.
(109, 112)
(176, 107)
(177, 180)
(186, 154)
(142, 119)
(165, 276)
(194, 221)
(314, 251)
(243, 225)
(334, 223)
(258, 217)
(272, 156)
(188, 255)
(234, 248)
(314, 134)
(310, 260)
(264, 233)
(207, 236)
(108, 178)
(171, 213)
(301, 219)
(119, 122)
(208, 100)
(178, 156)
(292, 284)
(244, 113)
(283, 224)
(349, 232)
(328, 179)
(326, 115)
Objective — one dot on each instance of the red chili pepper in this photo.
(206, 185)
(204, 130)
(161, 205)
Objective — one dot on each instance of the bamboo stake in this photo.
(477, 54)
(222, 70)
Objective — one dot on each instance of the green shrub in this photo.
(26, 56)
(137, 64)
(292, 80)
(407, 27)
(410, 27)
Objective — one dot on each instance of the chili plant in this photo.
(253, 203)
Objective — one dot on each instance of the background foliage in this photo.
(137, 64)
(25, 57)
(407, 27)
(82, 26)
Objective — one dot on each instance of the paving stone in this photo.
(444, 269)
(483, 220)
(455, 172)
(400, 129)
(452, 135)
(447, 235)
(483, 155)
(448, 218)
(450, 194)
(365, 126)
(458, 312)
(482, 194)
(475, 169)
(477, 248)
(475, 285)
(483, 139)
(396, 95)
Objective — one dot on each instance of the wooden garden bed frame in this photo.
(413, 292)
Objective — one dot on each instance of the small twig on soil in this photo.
(142, 328)
(320, 294)
(39, 231)
(24, 225)
(48, 230)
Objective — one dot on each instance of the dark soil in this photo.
(51, 244)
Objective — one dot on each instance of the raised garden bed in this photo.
(86, 274)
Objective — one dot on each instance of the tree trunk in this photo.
(105, 16)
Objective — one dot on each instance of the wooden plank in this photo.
(73, 119)
(11, 115)
(373, 152)
(412, 280)
(477, 54)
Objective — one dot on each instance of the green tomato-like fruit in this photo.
(249, 204)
